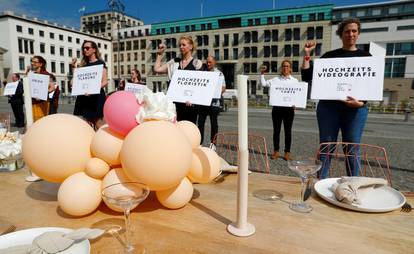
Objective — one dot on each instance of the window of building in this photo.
(142, 68)
(30, 30)
(53, 66)
(319, 32)
(22, 65)
(203, 27)
(187, 28)
(246, 52)
(31, 46)
(51, 35)
(42, 48)
(216, 40)
(295, 66)
(318, 49)
(128, 56)
(128, 45)
(235, 53)
(205, 53)
(247, 37)
(288, 34)
(52, 49)
(290, 18)
(246, 67)
(193, 27)
(235, 39)
(20, 45)
(310, 33)
(199, 40)
(404, 48)
(288, 50)
(321, 16)
(205, 40)
(296, 34)
(62, 68)
(70, 52)
(78, 53)
(253, 67)
(269, 20)
(250, 22)
(275, 35)
(267, 36)
(19, 28)
(62, 51)
(312, 16)
(226, 54)
(77, 41)
(135, 56)
(144, 44)
(295, 49)
(256, 22)
(395, 67)
(273, 66)
(277, 20)
(226, 40)
(60, 37)
(255, 36)
(274, 51)
(254, 51)
(163, 31)
(266, 51)
(69, 38)
(253, 87)
(360, 13)
(217, 54)
(41, 33)
(376, 11)
(135, 45)
(298, 18)
(393, 10)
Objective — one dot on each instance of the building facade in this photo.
(390, 25)
(24, 37)
(241, 43)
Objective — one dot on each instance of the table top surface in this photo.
(200, 227)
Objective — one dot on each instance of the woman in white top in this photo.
(281, 114)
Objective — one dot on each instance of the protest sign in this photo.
(288, 93)
(10, 88)
(39, 85)
(87, 80)
(134, 88)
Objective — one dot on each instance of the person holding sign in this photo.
(281, 114)
(136, 77)
(348, 115)
(185, 111)
(53, 97)
(40, 107)
(90, 106)
(135, 84)
(16, 101)
(214, 109)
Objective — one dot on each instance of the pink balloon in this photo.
(120, 110)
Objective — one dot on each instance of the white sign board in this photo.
(358, 77)
(219, 86)
(10, 88)
(87, 80)
(288, 93)
(39, 85)
(196, 87)
(376, 49)
(134, 88)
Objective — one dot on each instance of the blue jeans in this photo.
(334, 116)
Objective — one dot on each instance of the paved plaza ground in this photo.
(386, 130)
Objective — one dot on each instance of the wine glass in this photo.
(305, 169)
(126, 196)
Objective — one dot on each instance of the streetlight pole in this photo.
(117, 9)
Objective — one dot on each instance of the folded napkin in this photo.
(346, 190)
(54, 242)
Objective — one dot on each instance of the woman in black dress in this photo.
(185, 111)
(90, 106)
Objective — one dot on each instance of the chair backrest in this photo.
(371, 160)
(228, 148)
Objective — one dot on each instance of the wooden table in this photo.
(200, 227)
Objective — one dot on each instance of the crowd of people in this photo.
(348, 115)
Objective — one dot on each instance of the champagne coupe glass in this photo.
(305, 168)
(126, 196)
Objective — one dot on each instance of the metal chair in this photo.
(227, 147)
(342, 158)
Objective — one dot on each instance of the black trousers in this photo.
(285, 115)
(203, 112)
(18, 114)
(185, 112)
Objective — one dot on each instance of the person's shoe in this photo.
(275, 155)
(287, 156)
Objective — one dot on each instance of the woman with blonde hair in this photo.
(281, 114)
(90, 106)
(185, 111)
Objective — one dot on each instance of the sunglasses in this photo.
(35, 61)
(87, 48)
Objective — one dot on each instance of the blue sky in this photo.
(151, 11)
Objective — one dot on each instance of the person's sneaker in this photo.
(275, 155)
(287, 156)
(213, 147)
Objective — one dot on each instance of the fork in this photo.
(8, 230)
(406, 208)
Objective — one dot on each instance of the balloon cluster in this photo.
(163, 155)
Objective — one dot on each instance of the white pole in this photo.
(29, 120)
(274, 4)
(242, 227)
(201, 7)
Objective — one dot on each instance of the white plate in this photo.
(26, 236)
(373, 200)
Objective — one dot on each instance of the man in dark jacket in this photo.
(16, 101)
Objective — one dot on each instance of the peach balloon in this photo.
(79, 194)
(114, 176)
(96, 168)
(57, 146)
(205, 165)
(106, 145)
(191, 131)
(157, 154)
(177, 196)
